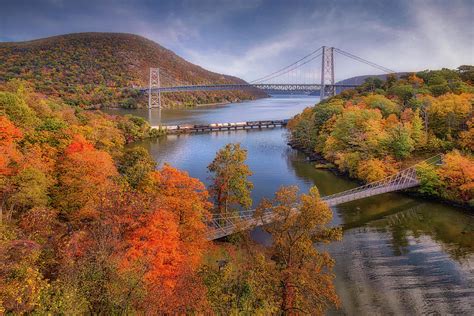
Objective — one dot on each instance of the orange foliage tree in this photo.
(9, 158)
(157, 254)
(187, 198)
(167, 246)
(84, 175)
(457, 173)
(9, 154)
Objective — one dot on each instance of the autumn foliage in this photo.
(94, 70)
(83, 228)
(381, 127)
(84, 175)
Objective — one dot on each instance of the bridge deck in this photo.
(301, 87)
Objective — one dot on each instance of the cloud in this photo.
(252, 38)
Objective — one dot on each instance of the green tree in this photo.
(230, 185)
(31, 189)
(15, 107)
(466, 73)
(325, 111)
(430, 182)
(135, 165)
(403, 92)
(380, 102)
(400, 141)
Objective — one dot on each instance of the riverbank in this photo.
(322, 163)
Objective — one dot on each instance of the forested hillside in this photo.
(101, 70)
(383, 126)
(91, 226)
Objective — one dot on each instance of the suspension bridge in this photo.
(300, 76)
(220, 226)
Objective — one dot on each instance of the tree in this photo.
(135, 165)
(230, 186)
(467, 73)
(400, 141)
(14, 106)
(457, 175)
(376, 169)
(187, 198)
(448, 113)
(417, 129)
(390, 81)
(403, 92)
(302, 280)
(9, 154)
(323, 112)
(386, 106)
(155, 252)
(466, 138)
(430, 182)
(84, 175)
(31, 189)
(237, 284)
(357, 129)
(10, 158)
(22, 283)
(415, 80)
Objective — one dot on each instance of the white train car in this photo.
(170, 127)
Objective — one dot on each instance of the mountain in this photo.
(96, 70)
(361, 79)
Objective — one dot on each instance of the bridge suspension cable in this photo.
(291, 69)
(362, 60)
(285, 68)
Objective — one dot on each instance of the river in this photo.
(399, 255)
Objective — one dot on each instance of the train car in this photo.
(240, 123)
(201, 126)
(185, 126)
(171, 127)
(252, 123)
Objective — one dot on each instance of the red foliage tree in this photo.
(9, 154)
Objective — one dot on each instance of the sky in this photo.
(250, 39)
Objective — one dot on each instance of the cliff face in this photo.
(101, 70)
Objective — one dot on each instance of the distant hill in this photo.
(358, 80)
(100, 69)
(361, 79)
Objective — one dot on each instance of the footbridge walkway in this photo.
(221, 226)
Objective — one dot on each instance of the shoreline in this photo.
(314, 157)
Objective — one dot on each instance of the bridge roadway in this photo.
(221, 226)
(279, 87)
(188, 128)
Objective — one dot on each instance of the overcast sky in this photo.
(252, 38)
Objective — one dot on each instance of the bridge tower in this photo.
(327, 73)
(154, 97)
